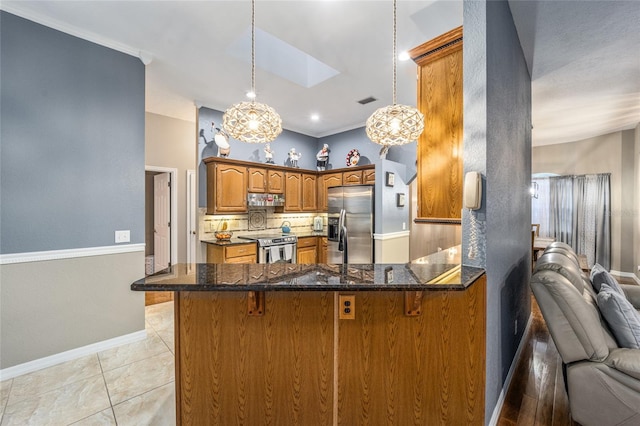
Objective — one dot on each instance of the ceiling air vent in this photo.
(367, 100)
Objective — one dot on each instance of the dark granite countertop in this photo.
(229, 242)
(316, 277)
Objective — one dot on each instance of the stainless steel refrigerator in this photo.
(350, 220)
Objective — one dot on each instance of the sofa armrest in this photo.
(633, 294)
(625, 360)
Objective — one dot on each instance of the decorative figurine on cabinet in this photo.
(322, 158)
(294, 157)
(353, 157)
(268, 154)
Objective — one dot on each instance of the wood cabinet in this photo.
(233, 253)
(257, 179)
(300, 192)
(309, 192)
(229, 181)
(300, 365)
(369, 176)
(352, 177)
(293, 192)
(275, 181)
(325, 181)
(226, 188)
(307, 250)
(440, 145)
(322, 249)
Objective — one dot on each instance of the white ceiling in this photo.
(583, 55)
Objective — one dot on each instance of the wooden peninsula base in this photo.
(299, 364)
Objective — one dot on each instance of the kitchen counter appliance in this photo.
(351, 221)
(275, 248)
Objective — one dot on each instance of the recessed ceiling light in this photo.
(404, 56)
(251, 95)
(315, 117)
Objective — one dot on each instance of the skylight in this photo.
(281, 59)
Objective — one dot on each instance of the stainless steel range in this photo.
(275, 248)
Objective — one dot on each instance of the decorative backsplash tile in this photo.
(265, 220)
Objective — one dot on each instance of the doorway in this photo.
(160, 225)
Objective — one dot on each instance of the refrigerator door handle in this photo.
(344, 245)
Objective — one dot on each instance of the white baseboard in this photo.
(505, 387)
(626, 275)
(391, 235)
(41, 256)
(50, 361)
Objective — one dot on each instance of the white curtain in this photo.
(576, 210)
(591, 218)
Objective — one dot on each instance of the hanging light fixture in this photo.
(395, 124)
(252, 121)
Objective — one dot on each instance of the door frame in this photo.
(192, 217)
(173, 218)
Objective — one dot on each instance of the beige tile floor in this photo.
(131, 384)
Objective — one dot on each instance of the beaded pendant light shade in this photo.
(252, 121)
(395, 124)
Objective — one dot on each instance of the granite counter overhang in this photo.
(306, 277)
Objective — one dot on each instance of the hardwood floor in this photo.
(537, 394)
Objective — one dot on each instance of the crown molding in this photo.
(15, 9)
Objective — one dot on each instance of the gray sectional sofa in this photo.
(602, 367)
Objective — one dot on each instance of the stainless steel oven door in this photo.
(278, 253)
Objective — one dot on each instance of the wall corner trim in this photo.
(507, 382)
(391, 235)
(39, 256)
(49, 361)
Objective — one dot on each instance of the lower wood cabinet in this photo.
(233, 253)
(322, 249)
(300, 365)
(307, 250)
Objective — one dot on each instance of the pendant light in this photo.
(395, 124)
(252, 121)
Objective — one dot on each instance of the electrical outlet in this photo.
(123, 236)
(347, 306)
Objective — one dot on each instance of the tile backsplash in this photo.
(239, 223)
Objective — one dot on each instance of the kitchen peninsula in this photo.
(322, 344)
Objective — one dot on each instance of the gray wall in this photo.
(610, 153)
(389, 217)
(497, 142)
(72, 166)
(72, 172)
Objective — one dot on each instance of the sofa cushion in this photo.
(622, 317)
(563, 265)
(604, 277)
(596, 268)
(625, 360)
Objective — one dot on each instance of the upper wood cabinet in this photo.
(257, 179)
(369, 176)
(309, 192)
(352, 177)
(292, 192)
(440, 145)
(229, 181)
(325, 181)
(226, 188)
(275, 181)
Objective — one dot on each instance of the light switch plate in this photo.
(123, 236)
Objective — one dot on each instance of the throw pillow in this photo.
(604, 277)
(621, 316)
(596, 268)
